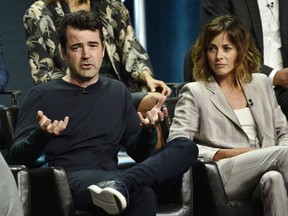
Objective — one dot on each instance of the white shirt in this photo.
(269, 12)
(248, 125)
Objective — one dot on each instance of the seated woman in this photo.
(232, 113)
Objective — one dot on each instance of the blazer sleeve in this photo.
(188, 117)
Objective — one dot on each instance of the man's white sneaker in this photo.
(111, 196)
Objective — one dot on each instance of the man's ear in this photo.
(103, 51)
(63, 54)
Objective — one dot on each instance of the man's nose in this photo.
(86, 53)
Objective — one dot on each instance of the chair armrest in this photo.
(51, 193)
(22, 178)
(47, 193)
(15, 94)
(209, 193)
(175, 87)
(178, 200)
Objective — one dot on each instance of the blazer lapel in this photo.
(256, 21)
(221, 103)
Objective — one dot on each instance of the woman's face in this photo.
(221, 55)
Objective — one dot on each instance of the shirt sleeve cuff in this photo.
(271, 75)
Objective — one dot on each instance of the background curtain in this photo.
(13, 45)
(172, 27)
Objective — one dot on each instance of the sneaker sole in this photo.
(109, 199)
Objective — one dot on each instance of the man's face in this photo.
(84, 54)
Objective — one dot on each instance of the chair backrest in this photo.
(170, 103)
(8, 116)
(188, 66)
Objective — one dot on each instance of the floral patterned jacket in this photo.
(123, 51)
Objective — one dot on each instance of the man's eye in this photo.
(93, 45)
(75, 47)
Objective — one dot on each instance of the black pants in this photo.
(145, 181)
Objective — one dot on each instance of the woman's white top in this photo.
(248, 125)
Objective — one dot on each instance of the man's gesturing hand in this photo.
(155, 115)
(50, 128)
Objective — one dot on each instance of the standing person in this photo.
(232, 114)
(77, 128)
(10, 204)
(267, 20)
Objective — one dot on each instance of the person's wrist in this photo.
(145, 76)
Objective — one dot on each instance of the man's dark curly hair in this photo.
(82, 20)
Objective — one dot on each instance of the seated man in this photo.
(83, 120)
(10, 204)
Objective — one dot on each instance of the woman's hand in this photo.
(155, 85)
(227, 153)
